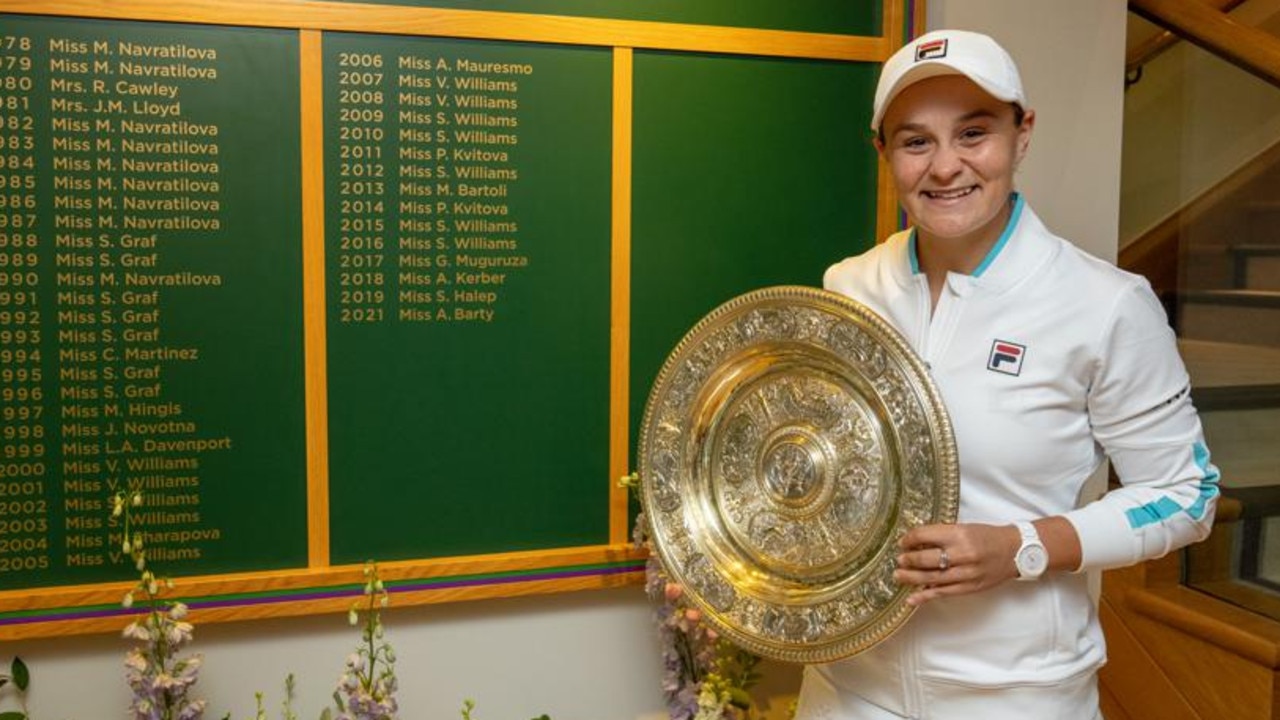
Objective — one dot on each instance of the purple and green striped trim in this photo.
(909, 27)
(273, 597)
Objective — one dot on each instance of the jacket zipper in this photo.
(912, 699)
(925, 324)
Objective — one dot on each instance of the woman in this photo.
(1048, 359)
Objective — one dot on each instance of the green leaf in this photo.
(326, 714)
(21, 676)
(4, 680)
(13, 715)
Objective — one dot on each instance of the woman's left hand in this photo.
(956, 559)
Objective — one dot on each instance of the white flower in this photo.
(137, 631)
(135, 661)
(179, 633)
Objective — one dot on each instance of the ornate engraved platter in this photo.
(790, 440)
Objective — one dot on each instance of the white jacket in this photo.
(1047, 359)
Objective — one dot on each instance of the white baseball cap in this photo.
(949, 52)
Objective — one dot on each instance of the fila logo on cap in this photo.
(931, 50)
(1006, 357)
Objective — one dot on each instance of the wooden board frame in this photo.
(320, 587)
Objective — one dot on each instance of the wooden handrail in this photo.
(1155, 252)
(1145, 51)
(1250, 49)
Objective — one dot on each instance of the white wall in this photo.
(592, 656)
(1071, 57)
(578, 656)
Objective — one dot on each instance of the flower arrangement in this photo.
(365, 690)
(160, 679)
(706, 677)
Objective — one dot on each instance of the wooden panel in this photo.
(620, 293)
(399, 20)
(314, 301)
(1217, 683)
(95, 608)
(1240, 632)
(1133, 680)
(1111, 708)
(1219, 658)
(900, 29)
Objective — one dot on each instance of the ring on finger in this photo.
(944, 561)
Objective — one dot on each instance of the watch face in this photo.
(1032, 560)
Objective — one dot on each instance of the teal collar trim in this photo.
(914, 258)
(1004, 236)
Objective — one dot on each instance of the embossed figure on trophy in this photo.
(790, 473)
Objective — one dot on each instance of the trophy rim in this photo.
(859, 637)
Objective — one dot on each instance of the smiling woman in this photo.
(953, 148)
(1047, 359)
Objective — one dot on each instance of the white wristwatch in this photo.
(1031, 559)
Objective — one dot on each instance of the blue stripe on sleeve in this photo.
(1208, 485)
(1165, 508)
(1153, 512)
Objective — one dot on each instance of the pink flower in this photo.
(672, 591)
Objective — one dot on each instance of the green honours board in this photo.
(768, 183)
(850, 17)
(467, 252)
(150, 304)
(324, 294)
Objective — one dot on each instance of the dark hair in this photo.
(1018, 115)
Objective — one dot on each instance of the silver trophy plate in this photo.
(790, 440)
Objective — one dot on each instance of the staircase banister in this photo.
(1249, 48)
(1144, 52)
